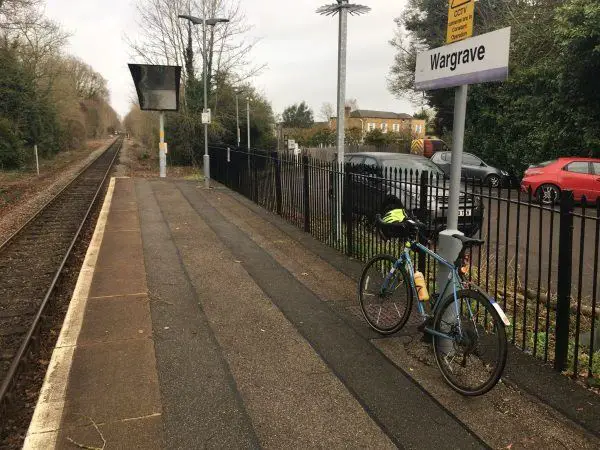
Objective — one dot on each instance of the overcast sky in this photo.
(298, 46)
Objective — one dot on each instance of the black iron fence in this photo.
(540, 262)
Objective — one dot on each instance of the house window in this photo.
(396, 127)
(384, 127)
(371, 126)
(418, 128)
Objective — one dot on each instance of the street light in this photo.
(342, 7)
(212, 22)
(237, 114)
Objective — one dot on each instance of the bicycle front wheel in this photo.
(473, 355)
(385, 305)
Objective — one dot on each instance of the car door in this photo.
(596, 192)
(473, 167)
(577, 176)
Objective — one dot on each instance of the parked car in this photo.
(373, 193)
(473, 167)
(580, 175)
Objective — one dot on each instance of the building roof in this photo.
(370, 114)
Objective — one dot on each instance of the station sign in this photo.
(460, 20)
(474, 60)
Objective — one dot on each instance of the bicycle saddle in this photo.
(467, 241)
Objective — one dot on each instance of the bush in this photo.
(11, 147)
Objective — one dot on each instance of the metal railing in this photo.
(539, 261)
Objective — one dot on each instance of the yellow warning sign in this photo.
(460, 20)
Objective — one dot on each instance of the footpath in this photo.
(201, 321)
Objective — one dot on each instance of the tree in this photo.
(298, 115)
(353, 136)
(376, 137)
(352, 103)
(327, 112)
(165, 38)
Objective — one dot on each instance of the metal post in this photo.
(162, 156)
(341, 111)
(237, 119)
(563, 288)
(206, 156)
(449, 247)
(37, 161)
(248, 120)
(306, 189)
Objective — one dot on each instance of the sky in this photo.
(298, 46)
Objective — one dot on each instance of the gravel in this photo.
(40, 194)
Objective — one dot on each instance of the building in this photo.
(388, 122)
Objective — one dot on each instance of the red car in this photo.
(548, 179)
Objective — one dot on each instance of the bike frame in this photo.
(453, 278)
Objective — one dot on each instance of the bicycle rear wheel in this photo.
(387, 309)
(473, 360)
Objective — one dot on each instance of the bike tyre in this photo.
(501, 340)
(401, 272)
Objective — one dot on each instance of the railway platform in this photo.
(199, 321)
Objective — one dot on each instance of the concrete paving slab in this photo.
(119, 220)
(116, 318)
(122, 250)
(139, 433)
(112, 381)
(119, 279)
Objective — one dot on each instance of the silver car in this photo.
(473, 167)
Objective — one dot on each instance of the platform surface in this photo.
(199, 323)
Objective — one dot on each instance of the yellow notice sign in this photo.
(460, 20)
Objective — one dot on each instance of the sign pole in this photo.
(37, 161)
(162, 155)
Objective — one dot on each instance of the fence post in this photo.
(565, 263)
(255, 176)
(278, 196)
(423, 191)
(347, 209)
(306, 194)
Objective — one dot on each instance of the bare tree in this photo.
(166, 38)
(326, 112)
(352, 103)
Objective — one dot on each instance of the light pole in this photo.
(212, 22)
(248, 120)
(342, 7)
(237, 114)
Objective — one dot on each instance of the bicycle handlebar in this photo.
(413, 223)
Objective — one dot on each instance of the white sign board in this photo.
(206, 117)
(474, 60)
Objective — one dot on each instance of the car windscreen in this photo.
(411, 164)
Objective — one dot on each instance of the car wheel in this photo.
(548, 194)
(493, 181)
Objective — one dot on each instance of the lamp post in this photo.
(248, 120)
(237, 114)
(211, 22)
(342, 8)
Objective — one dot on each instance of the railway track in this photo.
(31, 261)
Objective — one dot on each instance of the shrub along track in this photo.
(31, 262)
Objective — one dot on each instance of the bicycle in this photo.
(466, 325)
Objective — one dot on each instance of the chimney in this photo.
(347, 110)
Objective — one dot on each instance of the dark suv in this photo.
(381, 181)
